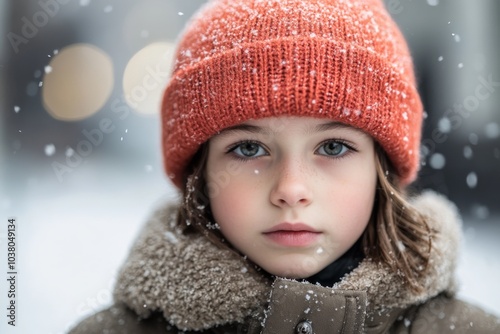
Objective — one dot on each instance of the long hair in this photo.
(397, 234)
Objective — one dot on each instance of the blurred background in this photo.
(80, 162)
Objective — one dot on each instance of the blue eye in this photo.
(333, 148)
(248, 150)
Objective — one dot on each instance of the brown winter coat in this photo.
(171, 281)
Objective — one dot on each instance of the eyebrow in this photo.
(242, 127)
(332, 125)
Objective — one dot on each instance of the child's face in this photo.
(293, 194)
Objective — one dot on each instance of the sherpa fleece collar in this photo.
(196, 285)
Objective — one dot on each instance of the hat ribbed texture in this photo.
(248, 59)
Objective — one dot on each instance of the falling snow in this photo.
(468, 153)
(16, 109)
(108, 9)
(444, 125)
(437, 161)
(492, 130)
(473, 139)
(50, 150)
(471, 180)
(440, 58)
(69, 152)
(433, 2)
(48, 69)
(481, 211)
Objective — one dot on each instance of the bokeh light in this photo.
(77, 82)
(146, 75)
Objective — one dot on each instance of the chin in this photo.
(294, 272)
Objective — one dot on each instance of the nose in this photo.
(291, 186)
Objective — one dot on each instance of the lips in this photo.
(292, 227)
(292, 234)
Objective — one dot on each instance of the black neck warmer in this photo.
(332, 273)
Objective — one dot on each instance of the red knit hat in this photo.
(344, 60)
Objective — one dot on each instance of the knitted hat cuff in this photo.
(300, 76)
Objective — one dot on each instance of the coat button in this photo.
(304, 327)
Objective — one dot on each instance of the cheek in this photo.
(351, 196)
(352, 214)
(359, 194)
(232, 202)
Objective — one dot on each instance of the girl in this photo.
(292, 128)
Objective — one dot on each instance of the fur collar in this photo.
(197, 285)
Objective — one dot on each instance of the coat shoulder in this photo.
(443, 314)
(119, 319)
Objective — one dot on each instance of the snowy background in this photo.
(76, 223)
